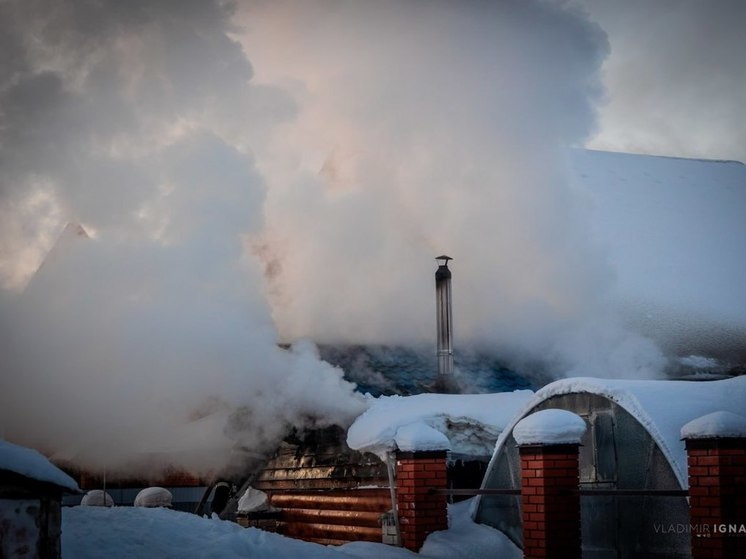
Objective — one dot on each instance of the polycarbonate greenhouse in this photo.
(632, 443)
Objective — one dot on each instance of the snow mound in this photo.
(97, 498)
(470, 422)
(254, 500)
(419, 436)
(30, 463)
(719, 424)
(550, 427)
(157, 533)
(154, 497)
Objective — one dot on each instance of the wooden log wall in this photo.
(328, 493)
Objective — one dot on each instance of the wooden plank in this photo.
(333, 531)
(364, 500)
(347, 471)
(312, 484)
(341, 517)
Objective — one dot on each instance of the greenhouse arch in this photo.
(632, 443)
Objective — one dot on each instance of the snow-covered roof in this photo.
(469, 423)
(662, 407)
(31, 464)
(669, 227)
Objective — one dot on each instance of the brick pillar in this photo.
(550, 503)
(420, 512)
(717, 496)
(548, 443)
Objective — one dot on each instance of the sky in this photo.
(260, 172)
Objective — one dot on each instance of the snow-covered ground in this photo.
(124, 532)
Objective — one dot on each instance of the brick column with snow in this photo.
(548, 444)
(716, 455)
(420, 467)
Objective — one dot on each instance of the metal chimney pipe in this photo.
(444, 321)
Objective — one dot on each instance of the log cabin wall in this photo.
(328, 493)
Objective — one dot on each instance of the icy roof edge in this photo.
(675, 157)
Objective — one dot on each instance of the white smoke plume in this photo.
(150, 344)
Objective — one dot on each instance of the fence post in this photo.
(420, 511)
(716, 458)
(550, 503)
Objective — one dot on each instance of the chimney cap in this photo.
(444, 257)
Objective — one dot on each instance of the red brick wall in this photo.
(717, 490)
(550, 502)
(420, 512)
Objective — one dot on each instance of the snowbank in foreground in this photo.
(470, 422)
(124, 532)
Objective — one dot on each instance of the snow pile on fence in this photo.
(720, 424)
(470, 423)
(550, 427)
(154, 497)
(31, 464)
(97, 498)
(419, 436)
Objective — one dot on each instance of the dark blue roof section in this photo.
(381, 369)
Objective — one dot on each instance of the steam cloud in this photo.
(151, 344)
(230, 210)
(438, 128)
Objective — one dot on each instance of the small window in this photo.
(605, 446)
(598, 463)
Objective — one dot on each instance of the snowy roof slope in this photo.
(470, 422)
(662, 407)
(671, 229)
(29, 463)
